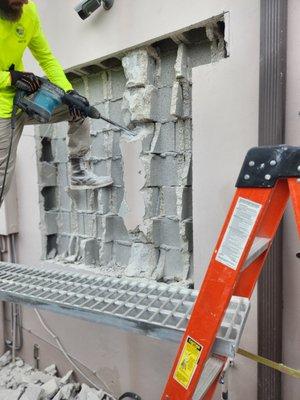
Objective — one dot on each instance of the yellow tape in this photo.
(272, 364)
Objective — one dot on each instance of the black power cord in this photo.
(130, 395)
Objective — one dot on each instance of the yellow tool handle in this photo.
(265, 361)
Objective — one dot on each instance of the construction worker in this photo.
(20, 28)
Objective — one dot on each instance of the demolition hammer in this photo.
(41, 104)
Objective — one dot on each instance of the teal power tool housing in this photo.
(41, 104)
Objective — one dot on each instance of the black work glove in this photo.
(25, 81)
(75, 112)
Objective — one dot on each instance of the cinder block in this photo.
(183, 134)
(116, 150)
(117, 172)
(60, 150)
(164, 104)
(187, 203)
(184, 168)
(167, 72)
(79, 85)
(105, 253)
(163, 171)
(151, 201)
(64, 222)
(147, 132)
(90, 225)
(104, 200)
(187, 98)
(117, 196)
(51, 222)
(95, 88)
(182, 65)
(64, 200)
(84, 200)
(118, 82)
(63, 244)
(47, 174)
(142, 261)
(62, 174)
(102, 167)
(80, 224)
(115, 113)
(114, 229)
(122, 253)
(176, 109)
(175, 268)
(140, 105)
(139, 68)
(188, 228)
(164, 138)
(99, 125)
(166, 232)
(89, 251)
(168, 201)
(102, 145)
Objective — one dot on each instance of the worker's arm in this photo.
(5, 79)
(41, 51)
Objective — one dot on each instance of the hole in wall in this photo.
(49, 195)
(47, 154)
(51, 246)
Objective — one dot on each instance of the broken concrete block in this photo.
(164, 138)
(47, 174)
(115, 229)
(11, 394)
(104, 199)
(105, 253)
(51, 370)
(177, 101)
(95, 87)
(67, 378)
(187, 203)
(90, 225)
(164, 104)
(167, 71)
(60, 150)
(102, 145)
(64, 222)
(142, 261)
(139, 68)
(5, 359)
(151, 202)
(19, 362)
(140, 105)
(33, 392)
(50, 388)
(84, 200)
(182, 68)
(122, 252)
(89, 251)
(66, 392)
(118, 83)
(183, 135)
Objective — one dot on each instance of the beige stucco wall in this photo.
(225, 117)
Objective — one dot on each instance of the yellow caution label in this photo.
(188, 362)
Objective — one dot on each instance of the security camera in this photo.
(86, 7)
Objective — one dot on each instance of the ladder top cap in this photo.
(265, 164)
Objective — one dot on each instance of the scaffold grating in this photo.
(148, 307)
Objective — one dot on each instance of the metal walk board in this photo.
(151, 308)
(212, 369)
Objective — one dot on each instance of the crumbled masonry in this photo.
(142, 226)
(19, 381)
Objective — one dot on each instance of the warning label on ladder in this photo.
(187, 363)
(238, 231)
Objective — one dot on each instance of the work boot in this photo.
(83, 178)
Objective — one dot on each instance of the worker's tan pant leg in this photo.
(5, 136)
(79, 139)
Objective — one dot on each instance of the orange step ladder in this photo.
(269, 176)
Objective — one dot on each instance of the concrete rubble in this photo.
(19, 381)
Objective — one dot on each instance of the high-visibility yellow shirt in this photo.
(15, 37)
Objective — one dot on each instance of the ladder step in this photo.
(260, 244)
(151, 308)
(212, 369)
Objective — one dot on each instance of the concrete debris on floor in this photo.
(20, 381)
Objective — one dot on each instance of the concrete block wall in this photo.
(141, 226)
